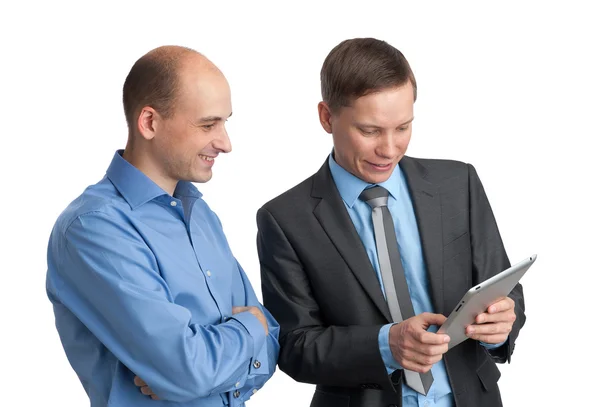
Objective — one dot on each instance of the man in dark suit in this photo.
(326, 271)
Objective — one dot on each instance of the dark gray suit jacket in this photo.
(319, 284)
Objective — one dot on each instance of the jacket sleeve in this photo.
(489, 257)
(312, 351)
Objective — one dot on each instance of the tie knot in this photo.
(375, 197)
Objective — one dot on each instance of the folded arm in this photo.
(108, 277)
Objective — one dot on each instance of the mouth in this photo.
(380, 167)
(207, 157)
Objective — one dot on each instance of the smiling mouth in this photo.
(382, 166)
(206, 158)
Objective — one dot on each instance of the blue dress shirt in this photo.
(143, 283)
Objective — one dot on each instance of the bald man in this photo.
(151, 306)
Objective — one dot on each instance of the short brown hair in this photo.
(153, 81)
(359, 66)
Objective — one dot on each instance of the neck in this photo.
(142, 160)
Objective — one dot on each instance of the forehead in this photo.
(386, 107)
(204, 91)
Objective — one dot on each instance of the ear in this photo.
(147, 123)
(325, 116)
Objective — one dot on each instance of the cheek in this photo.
(358, 145)
(363, 150)
(188, 144)
(403, 143)
(353, 147)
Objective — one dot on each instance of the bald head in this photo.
(155, 80)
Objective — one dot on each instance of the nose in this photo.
(386, 145)
(222, 142)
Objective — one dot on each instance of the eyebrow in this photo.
(212, 118)
(378, 127)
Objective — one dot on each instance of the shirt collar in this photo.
(350, 186)
(135, 186)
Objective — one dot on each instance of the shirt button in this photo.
(208, 273)
(256, 364)
(236, 394)
(254, 391)
(237, 384)
(173, 203)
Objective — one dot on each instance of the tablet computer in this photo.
(479, 298)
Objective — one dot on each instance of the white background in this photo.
(513, 89)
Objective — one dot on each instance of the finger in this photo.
(504, 316)
(154, 397)
(431, 338)
(475, 331)
(429, 360)
(503, 305)
(424, 359)
(430, 350)
(237, 310)
(146, 390)
(139, 382)
(421, 360)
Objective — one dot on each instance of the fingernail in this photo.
(446, 339)
(493, 309)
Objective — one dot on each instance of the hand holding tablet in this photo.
(493, 291)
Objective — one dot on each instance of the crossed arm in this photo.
(107, 277)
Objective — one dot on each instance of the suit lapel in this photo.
(428, 211)
(333, 217)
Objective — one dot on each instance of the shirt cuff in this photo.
(384, 348)
(260, 362)
(491, 345)
(255, 329)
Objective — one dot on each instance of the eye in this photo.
(208, 127)
(368, 132)
(403, 128)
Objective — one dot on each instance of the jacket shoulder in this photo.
(439, 170)
(292, 200)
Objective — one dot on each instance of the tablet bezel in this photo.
(480, 297)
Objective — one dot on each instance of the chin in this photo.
(377, 178)
(202, 178)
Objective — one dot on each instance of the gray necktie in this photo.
(392, 273)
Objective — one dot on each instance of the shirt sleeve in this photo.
(108, 278)
(490, 346)
(263, 364)
(386, 353)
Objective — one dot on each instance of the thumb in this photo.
(432, 319)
